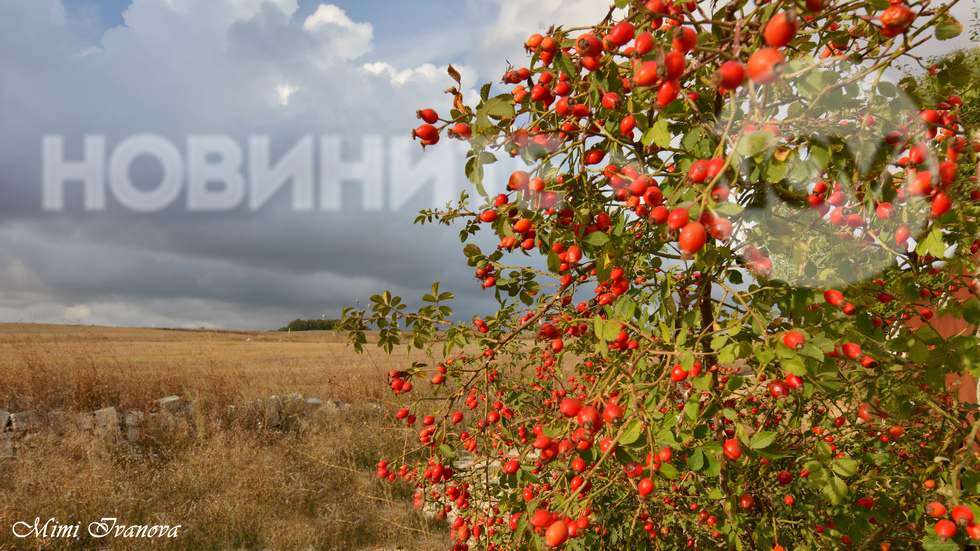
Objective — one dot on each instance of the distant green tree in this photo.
(310, 325)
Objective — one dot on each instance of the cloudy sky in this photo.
(354, 72)
(319, 86)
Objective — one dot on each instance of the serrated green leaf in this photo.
(776, 171)
(794, 366)
(835, 490)
(755, 142)
(729, 208)
(596, 239)
(932, 543)
(554, 262)
(691, 138)
(446, 451)
(632, 433)
(846, 466)
(695, 461)
(765, 355)
(563, 63)
(691, 410)
(823, 450)
(819, 154)
(762, 440)
(610, 330)
(658, 134)
(887, 89)
(501, 106)
(933, 244)
(668, 470)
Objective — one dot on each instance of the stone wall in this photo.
(279, 413)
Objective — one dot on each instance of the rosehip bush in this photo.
(732, 281)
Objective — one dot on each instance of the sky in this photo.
(289, 92)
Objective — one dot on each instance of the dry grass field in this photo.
(229, 482)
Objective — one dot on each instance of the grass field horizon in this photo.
(229, 482)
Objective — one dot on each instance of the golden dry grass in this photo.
(230, 483)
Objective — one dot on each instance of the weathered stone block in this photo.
(171, 404)
(292, 406)
(313, 404)
(85, 421)
(107, 418)
(134, 434)
(58, 422)
(273, 412)
(25, 421)
(134, 418)
(4, 420)
(6, 445)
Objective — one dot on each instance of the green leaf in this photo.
(691, 410)
(554, 262)
(714, 466)
(668, 470)
(632, 433)
(971, 311)
(727, 354)
(691, 138)
(823, 450)
(794, 366)
(819, 154)
(776, 171)
(657, 134)
(446, 451)
(610, 330)
(932, 543)
(835, 490)
(950, 28)
(729, 208)
(933, 244)
(695, 461)
(765, 355)
(500, 107)
(702, 382)
(887, 89)
(474, 170)
(919, 352)
(596, 239)
(846, 466)
(563, 63)
(755, 142)
(762, 440)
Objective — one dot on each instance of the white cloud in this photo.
(283, 91)
(501, 39)
(426, 71)
(340, 36)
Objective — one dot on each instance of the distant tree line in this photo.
(310, 325)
